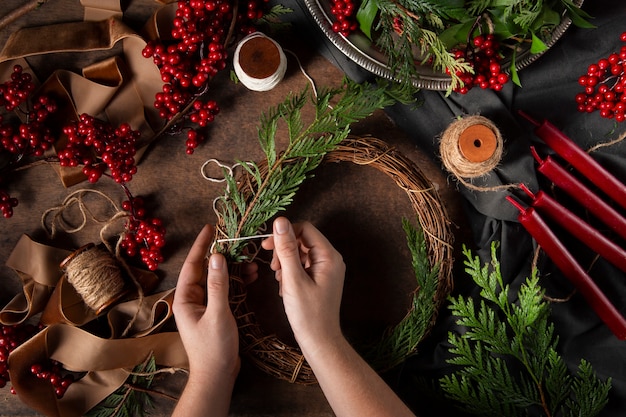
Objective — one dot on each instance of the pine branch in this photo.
(403, 339)
(131, 399)
(244, 211)
(507, 361)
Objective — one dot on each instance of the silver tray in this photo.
(358, 48)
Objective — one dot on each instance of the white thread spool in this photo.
(259, 62)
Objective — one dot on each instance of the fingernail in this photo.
(281, 225)
(216, 262)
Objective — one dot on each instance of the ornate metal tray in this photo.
(359, 49)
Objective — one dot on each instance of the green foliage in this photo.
(507, 358)
(412, 32)
(131, 399)
(245, 211)
(402, 340)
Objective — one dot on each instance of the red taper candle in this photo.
(578, 228)
(581, 160)
(579, 192)
(558, 253)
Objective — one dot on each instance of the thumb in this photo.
(286, 247)
(217, 283)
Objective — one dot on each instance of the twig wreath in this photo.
(264, 189)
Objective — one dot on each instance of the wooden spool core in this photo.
(477, 143)
(259, 57)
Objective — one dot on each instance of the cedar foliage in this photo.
(132, 398)
(243, 214)
(507, 358)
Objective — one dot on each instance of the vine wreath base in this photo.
(286, 362)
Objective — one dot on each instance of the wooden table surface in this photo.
(359, 209)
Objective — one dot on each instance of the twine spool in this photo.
(259, 62)
(95, 275)
(471, 147)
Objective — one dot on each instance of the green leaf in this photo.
(579, 17)
(537, 45)
(365, 16)
(513, 70)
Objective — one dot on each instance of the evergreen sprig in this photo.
(507, 358)
(403, 339)
(244, 211)
(413, 32)
(132, 398)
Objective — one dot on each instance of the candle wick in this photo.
(527, 117)
(516, 203)
(535, 154)
(527, 191)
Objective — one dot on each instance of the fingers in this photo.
(286, 248)
(217, 284)
(189, 289)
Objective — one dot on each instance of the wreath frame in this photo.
(286, 362)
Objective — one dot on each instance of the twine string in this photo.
(260, 84)
(96, 277)
(458, 165)
(91, 275)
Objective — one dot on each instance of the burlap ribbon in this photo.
(45, 289)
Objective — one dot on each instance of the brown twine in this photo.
(458, 164)
(609, 143)
(59, 222)
(96, 276)
(286, 362)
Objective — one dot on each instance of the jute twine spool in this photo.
(259, 62)
(471, 147)
(95, 275)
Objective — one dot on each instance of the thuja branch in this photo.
(242, 211)
(507, 358)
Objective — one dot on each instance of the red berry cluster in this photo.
(144, 236)
(344, 12)
(12, 336)
(483, 55)
(604, 85)
(197, 53)
(98, 145)
(7, 203)
(54, 373)
(31, 137)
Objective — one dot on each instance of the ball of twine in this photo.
(95, 275)
(286, 362)
(466, 154)
(259, 62)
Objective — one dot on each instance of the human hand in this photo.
(310, 273)
(205, 322)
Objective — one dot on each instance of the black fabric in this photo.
(548, 89)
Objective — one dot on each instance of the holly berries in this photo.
(143, 236)
(53, 372)
(12, 336)
(344, 12)
(29, 136)
(97, 145)
(200, 31)
(484, 57)
(604, 85)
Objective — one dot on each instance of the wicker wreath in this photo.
(286, 362)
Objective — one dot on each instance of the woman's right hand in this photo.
(311, 274)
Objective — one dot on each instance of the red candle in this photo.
(579, 228)
(580, 160)
(558, 253)
(578, 191)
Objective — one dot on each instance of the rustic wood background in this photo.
(357, 207)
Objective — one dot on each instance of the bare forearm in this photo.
(350, 385)
(206, 397)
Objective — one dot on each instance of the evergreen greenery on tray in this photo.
(428, 32)
(507, 358)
